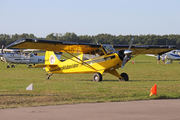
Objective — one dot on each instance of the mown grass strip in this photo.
(79, 88)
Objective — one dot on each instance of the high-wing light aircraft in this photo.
(17, 56)
(170, 56)
(91, 58)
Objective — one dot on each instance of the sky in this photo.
(90, 17)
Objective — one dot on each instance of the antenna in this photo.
(2, 49)
(96, 40)
(131, 43)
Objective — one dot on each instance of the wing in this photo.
(50, 45)
(146, 49)
(73, 47)
(30, 50)
(8, 50)
(18, 50)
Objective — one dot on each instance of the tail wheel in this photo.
(97, 77)
(124, 76)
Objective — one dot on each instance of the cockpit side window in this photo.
(25, 54)
(93, 54)
(31, 55)
(99, 52)
(178, 52)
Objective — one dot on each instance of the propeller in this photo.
(127, 54)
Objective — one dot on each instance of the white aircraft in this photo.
(26, 56)
(170, 56)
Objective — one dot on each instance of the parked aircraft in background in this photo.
(17, 56)
(170, 56)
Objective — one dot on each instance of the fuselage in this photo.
(173, 55)
(95, 61)
(88, 66)
(23, 58)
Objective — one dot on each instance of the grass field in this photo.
(79, 88)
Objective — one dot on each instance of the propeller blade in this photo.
(124, 61)
(131, 43)
(127, 54)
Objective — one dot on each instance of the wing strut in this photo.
(23, 58)
(78, 59)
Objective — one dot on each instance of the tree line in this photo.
(149, 39)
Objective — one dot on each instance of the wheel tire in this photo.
(12, 66)
(8, 66)
(48, 78)
(97, 77)
(124, 76)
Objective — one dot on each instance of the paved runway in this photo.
(134, 110)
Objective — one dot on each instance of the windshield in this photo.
(109, 48)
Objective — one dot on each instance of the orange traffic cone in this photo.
(153, 90)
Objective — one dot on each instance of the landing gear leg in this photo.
(29, 65)
(49, 75)
(8, 66)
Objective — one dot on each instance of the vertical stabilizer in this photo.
(50, 58)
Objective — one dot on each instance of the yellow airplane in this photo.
(91, 58)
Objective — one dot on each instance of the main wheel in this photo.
(12, 66)
(97, 77)
(124, 76)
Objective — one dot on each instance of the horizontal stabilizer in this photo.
(41, 66)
